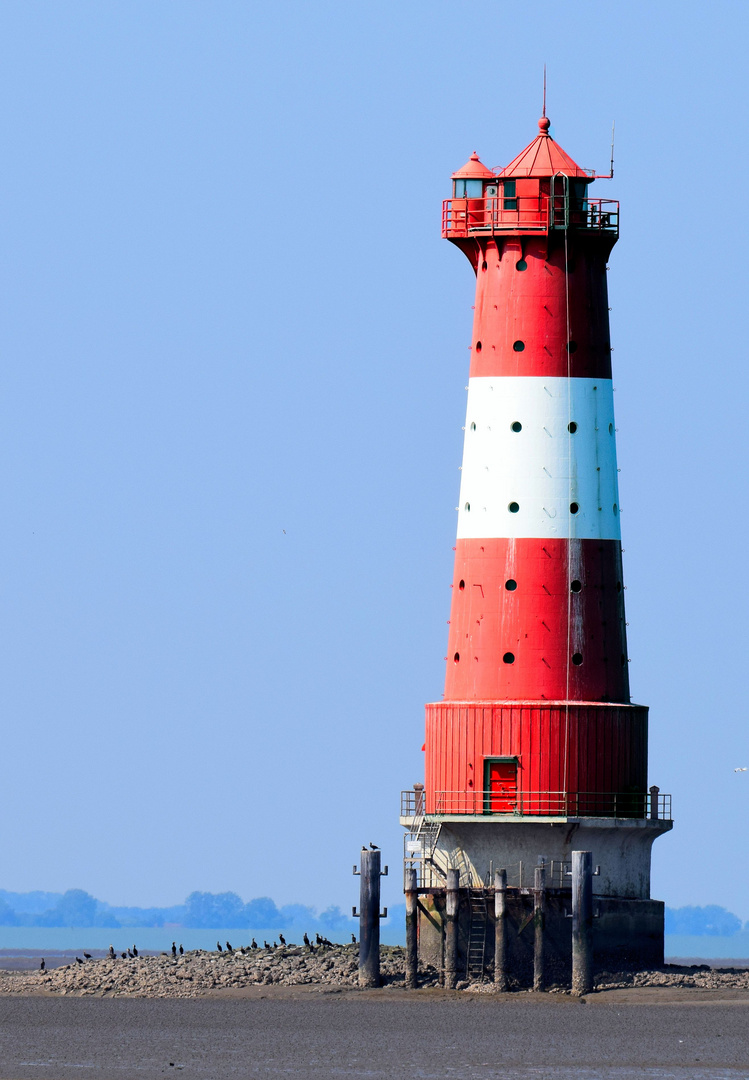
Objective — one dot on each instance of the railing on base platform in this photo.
(652, 804)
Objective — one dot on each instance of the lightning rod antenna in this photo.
(611, 170)
(544, 112)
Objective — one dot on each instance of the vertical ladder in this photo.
(476, 952)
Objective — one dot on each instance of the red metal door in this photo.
(501, 786)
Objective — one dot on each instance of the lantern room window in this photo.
(468, 189)
(510, 195)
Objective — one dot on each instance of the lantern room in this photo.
(540, 190)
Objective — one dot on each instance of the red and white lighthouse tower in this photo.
(536, 749)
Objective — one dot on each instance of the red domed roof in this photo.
(543, 157)
(474, 169)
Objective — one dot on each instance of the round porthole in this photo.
(518, 346)
(513, 507)
(461, 585)
(615, 508)
(574, 507)
(572, 427)
(576, 586)
(521, 264)
(508, 658)
(478, 346)
(456, 658)
(577, 658)
(468, 506)
(511, 585)
(473, 427)
(571, 346)
(611, 429)
(516, 426)
(484, 265)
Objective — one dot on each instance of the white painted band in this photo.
(543, 468)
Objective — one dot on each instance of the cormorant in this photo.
(265, 944)
(174, 948)
(78, 960)
(42, 965)
(111, 952)
(282, 939)
(87, 955)
(129, 955)
(253, 944)
(218, 946)
(135, 951)
(373, 846)
(353, 939)
(181, 950)
(305, 939)
(124, 956)
(229, 948)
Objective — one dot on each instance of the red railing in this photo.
(530, 213)
(539, 803)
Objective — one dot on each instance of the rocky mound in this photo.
(196, 972)
(701, 976)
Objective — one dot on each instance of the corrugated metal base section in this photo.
(575, 747)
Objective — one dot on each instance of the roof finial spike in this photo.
(544, 113)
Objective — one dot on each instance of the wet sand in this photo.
(649, 1032)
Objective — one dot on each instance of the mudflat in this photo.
(645, 1032)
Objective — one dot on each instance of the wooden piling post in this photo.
(452, 904)
(582, 922)
(539, 918)
(412, 915)
(500, 929)
(369, 917)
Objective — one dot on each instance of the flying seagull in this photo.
(742, 769)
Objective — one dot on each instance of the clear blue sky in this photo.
(227, 312)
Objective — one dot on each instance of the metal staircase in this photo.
(476, 951)
(420, 843)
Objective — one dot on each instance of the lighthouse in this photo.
(535, 749)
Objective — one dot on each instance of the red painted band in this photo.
(537, 619)
(529, 308)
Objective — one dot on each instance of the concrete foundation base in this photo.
(627, 933)
(620, 846)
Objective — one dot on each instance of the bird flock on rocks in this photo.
(226, 948)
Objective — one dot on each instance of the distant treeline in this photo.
(206, 911)
(76, 908)
(710, 921)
